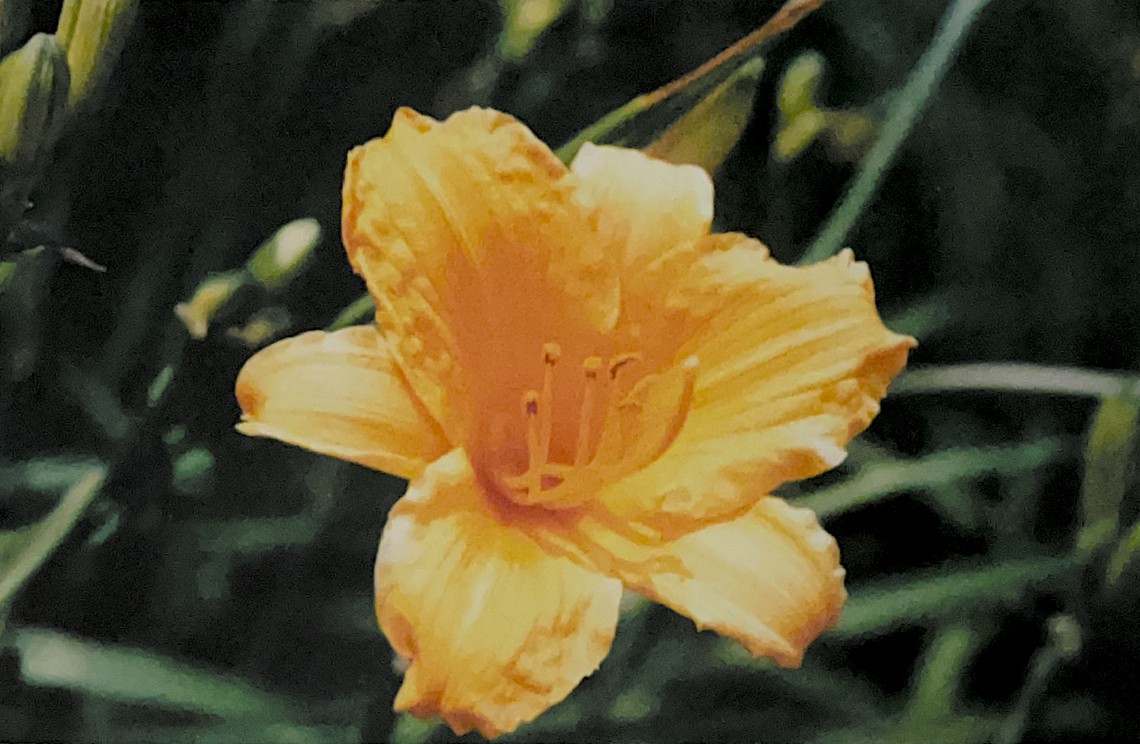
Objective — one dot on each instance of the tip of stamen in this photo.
(691, 362)
(591, 366)
(551, 353)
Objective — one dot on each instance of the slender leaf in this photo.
(642, 121)
(24, 550)
(947, 592)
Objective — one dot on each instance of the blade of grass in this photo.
(1012, 377)
(24, 550)
(905, 107)
(946, 592)
(52, 659)
(882, 479)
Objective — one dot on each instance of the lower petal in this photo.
(495, 629)
(770, 579)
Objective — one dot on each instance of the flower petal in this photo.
(792, 363)
(495, 629)
(466, 225)
(770, 579)
(339, 394)
(652, 206)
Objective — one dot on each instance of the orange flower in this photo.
(587, 390)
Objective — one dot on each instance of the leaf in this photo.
(1124, 555)
(24, 550)
(946, 592)
(1108, 472)
(127, 675)
(648, 117)
(932, 472)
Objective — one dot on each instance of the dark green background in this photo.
(1008, 229)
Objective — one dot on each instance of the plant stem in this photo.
(1011, 377)
(902, 113)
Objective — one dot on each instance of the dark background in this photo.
(1007, 230)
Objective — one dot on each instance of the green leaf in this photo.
(126, 675)
(24, 550)
(1124, 555)
(1108, 472)
(929, 473)
(947, 592)
(649, 117)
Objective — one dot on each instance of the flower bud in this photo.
(278, 260)
(93, 32)
(33, 100)
(207, 300)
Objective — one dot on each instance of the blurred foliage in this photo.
(165, 579)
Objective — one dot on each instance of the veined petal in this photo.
(793, 362)
(339, 394)
(770, 579)
(651, 207)
(464, 225)
(494, 628)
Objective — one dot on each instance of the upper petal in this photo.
(495, 629)
(470, 240)
(792, 363)
(650, 206)
(339, 394)
(770, 579)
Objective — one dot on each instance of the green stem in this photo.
(1007, 377)
(903, 112)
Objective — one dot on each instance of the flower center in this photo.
(624, 423)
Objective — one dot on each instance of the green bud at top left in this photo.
(34, 85)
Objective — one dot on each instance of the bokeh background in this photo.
(163, 578)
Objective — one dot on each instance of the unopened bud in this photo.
(93, 33)
(33, 100)
(278, 260)
(207, 300)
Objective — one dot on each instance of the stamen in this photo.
(590, 367)
(551, 353)
(533, 447)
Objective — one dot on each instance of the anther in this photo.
(620, 361)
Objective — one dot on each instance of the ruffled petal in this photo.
(792, 363)
(651, 207)
(494, 628)
(339, 394)
(770, 579)
(467, 225)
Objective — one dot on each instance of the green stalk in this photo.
(906, 106)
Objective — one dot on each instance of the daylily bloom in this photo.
(587, 391)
